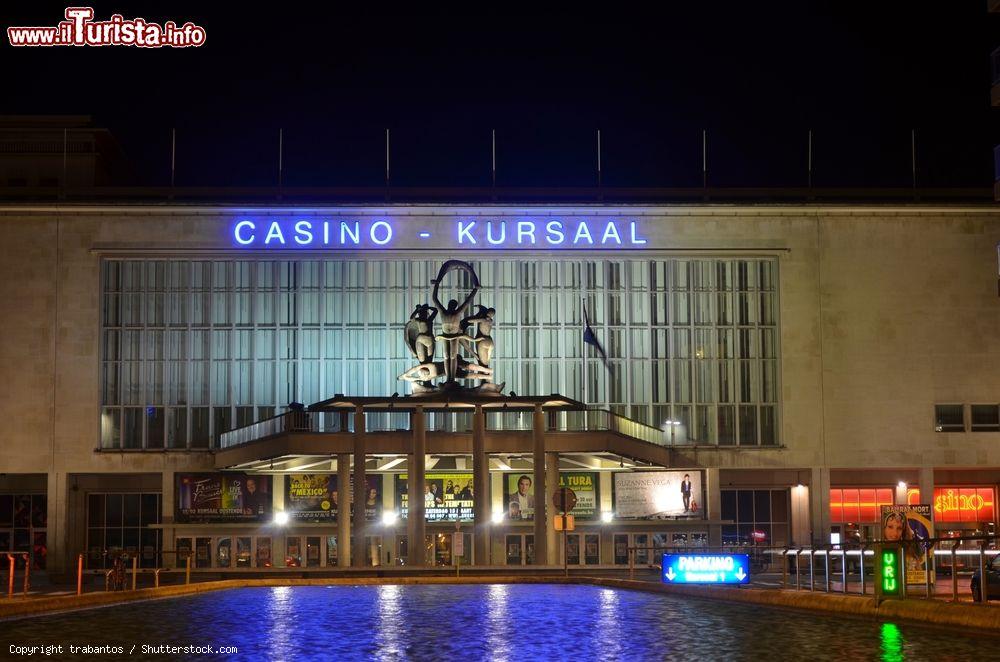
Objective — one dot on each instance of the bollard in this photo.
(826, 569)
(135, 565)
(187, 571)
(784, 568)
(843, 568)
(631, 563)
(861, 568)
(927, 573)
(27, 573)
(812, 570)
(902, 571)
(10, 580)
(954, 573)
(156, 578)
(984, 594)
(79, 574)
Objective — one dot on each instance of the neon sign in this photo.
(312, 232)
(889, 571)
(706, 568)
(959, 504)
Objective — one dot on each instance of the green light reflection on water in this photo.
(892, 643)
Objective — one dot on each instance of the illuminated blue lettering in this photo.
(554, 229)
(345, 232)
(583, 232)
(387, 234)
(525, 229)
(274, 232)
(239, 238)
(326, 233)
(611, 231)
(465, 231)
(635, 239)
(303, 233)
(489, 232)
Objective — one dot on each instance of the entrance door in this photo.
(312, 551)
(203, 552)
(331, 552)
(520, 549)
(244, 558)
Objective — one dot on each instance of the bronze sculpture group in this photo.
(459, 331)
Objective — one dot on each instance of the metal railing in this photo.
(850, 569)
(587, 420)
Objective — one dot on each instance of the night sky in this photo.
(859, 74)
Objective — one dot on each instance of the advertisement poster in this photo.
(315, 497)
(519, 494)
(910, 525)
(447, 496)
(659, 495)
(223, 497)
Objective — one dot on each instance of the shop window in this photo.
(949, 418)
(859, 505)
(985, 418)
(23, 521)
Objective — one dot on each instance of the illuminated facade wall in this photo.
(193, 348)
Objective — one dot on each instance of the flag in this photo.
(591, 339)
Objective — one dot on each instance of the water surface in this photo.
(488, 622)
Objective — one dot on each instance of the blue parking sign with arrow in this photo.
(706, 568)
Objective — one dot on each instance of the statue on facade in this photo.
(471, 333)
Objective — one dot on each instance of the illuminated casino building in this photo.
(802, 364)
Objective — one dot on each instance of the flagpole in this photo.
(583, 352)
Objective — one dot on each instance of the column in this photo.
(358, 556)
(552, 484)
(481, 489)
(343, 510)
(416, 526)
(926, 479)
(819, 500)
(168, 538)
(57, 506)
(538, 459)
(713, 506)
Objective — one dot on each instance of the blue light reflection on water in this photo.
(507, 623)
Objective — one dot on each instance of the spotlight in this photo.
(389, 518)
(497, 516)
(902, 485)
(281, 518)
(607, 516)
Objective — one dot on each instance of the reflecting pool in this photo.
(486, 622)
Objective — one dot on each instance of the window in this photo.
(763, 511)
(985, 418)
(949, 418)
(120, 522)
(859, 505)
(193, 348)
(23, 519)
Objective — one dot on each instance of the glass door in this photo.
(243, 553)
(514, 546)
(264, 552)
(573, 549)
(203, 552)
(331, 551)
(312, 551)
(223, 552)
(621, 548)
(591, 548)
(293, 552)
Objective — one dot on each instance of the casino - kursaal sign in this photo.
(706, 568)
(374, 233)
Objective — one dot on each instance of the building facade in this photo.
(802, 365)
